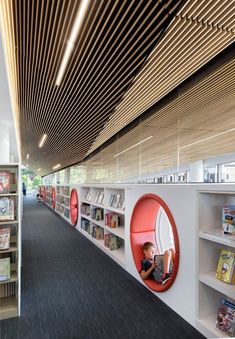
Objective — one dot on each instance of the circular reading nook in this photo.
(74, 207)
(152, 221)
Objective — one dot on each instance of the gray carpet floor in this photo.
(71, 289)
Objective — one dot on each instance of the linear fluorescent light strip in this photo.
(41, 143)
(27, 156)
(56, 166)
(127, 149)
(213, 136)
(71, 41)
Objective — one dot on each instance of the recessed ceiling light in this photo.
(39, 169)
(127, 149)
(56, 166)
(42, 141)
(71, 40)
(211, 137)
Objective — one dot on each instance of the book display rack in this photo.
(9, 245)
(62, 205)
(211, 242)
(102, 219)
(49, 195)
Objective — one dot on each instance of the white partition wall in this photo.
(197, 212)
(181, 200)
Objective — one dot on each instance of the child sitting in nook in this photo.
(160, 272)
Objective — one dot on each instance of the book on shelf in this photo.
(117, 203)
(6, 208)
(4, 182)
(5, 238)
(112, 219)
(225, 321)
(97, 214)
(98, 232)
(100, 198)
(66, 190)
(115, 200)
(67, 213)
(226, 267)
(85, 209)
(228, 219)
(5, 269)
(112, 241)
(7, 290)
(88, 196)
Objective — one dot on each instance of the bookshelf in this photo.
(62, 201)
(48, 189)
(210, 242)
(10, 289)
(102, 219)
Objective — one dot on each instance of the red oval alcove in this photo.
(43, 193)
(74, 207)
(53, 197)
(142, 229)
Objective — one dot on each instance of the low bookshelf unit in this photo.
(10, 241)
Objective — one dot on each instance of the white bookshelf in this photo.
(211, 241)
(10, 289)
(62, 205)
(102, 198)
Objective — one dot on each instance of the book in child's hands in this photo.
(228, 219)
(226, 318)
(4, 238)
(4, 269)
(226, 267)
(158, 258)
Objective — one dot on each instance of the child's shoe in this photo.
(166, 277)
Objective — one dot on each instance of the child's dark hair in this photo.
(147, 245)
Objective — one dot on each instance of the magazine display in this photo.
(4, 182)
(226, 318)
(6, 208)
(4, 238)
(4, 269)
(226, 266)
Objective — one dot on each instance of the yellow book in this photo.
(226, 267)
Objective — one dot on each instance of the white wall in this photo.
(6, 116)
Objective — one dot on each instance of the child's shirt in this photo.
(145, 265)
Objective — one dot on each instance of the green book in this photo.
(5, 269)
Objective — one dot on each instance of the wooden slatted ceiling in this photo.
(200, 121)
(115, 40)
(105, 85)
(200, 31)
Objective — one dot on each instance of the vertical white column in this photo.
(196, 171)
(4, 143)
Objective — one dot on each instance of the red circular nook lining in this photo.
(74, 207)
(142, 229)
(43, 192)
(53, 196)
